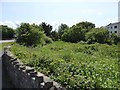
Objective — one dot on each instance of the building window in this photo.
(115, 31)
(111, 31)
(111, 27)
(115, 26)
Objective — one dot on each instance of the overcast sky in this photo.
(55, 12)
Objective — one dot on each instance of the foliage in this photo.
(86, 25)
(31, 35)
(54, 35)
(7, 32)
(77, 32)
(0, 46)
(47, 28)
(73, 35)
(99, 35)
(47, 40)
(61, 29)
(115, 39)
(76, 66)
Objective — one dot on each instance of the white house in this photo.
(114, 28)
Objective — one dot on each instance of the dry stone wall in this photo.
(26, 77)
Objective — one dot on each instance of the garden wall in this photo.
(26, 77)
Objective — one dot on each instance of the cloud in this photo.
(56, 23)
(15, 24)
(9, 23)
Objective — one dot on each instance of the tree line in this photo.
(32, 34)
(6, 32)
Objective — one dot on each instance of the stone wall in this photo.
(26, 77)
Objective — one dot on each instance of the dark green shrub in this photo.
(31, 35)
(99, 35)
(7, 32)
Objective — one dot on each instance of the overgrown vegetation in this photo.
(88, 58)
(75, 65)
(6, 32)
(0, 46)
(31, 35)
(99, 35)
(86, 31)
(77, 32)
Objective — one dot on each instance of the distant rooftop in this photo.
(113, 23)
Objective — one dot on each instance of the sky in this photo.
(119, 11)
(55, 12)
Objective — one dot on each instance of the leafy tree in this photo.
(115, 39)
(47, 28)
(54, 35)
(7, 32)
(86, 25)
(31, 35)
(61, 29)
(74, 34)
(77, 32)
(99, 35)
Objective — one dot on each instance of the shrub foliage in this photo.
(7, 32)
(76, 66)
(31, 35)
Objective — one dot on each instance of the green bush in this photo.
(74, 34)
(7, 32)
(54, 35)
(77, 32)
(31, 35)
(115, 39)
(61, 29)
(48, 40)
(99, 35)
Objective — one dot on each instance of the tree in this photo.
(99, 35)
(54, 35)
(77, 32)
(115, 39)
(7, 32)
(74, 34)
(47, 28)
(31, 35)
(86, 25)
(61, 29)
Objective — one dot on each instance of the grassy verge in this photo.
(0, 46)
(75, 66)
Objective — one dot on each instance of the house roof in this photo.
(113, 23)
